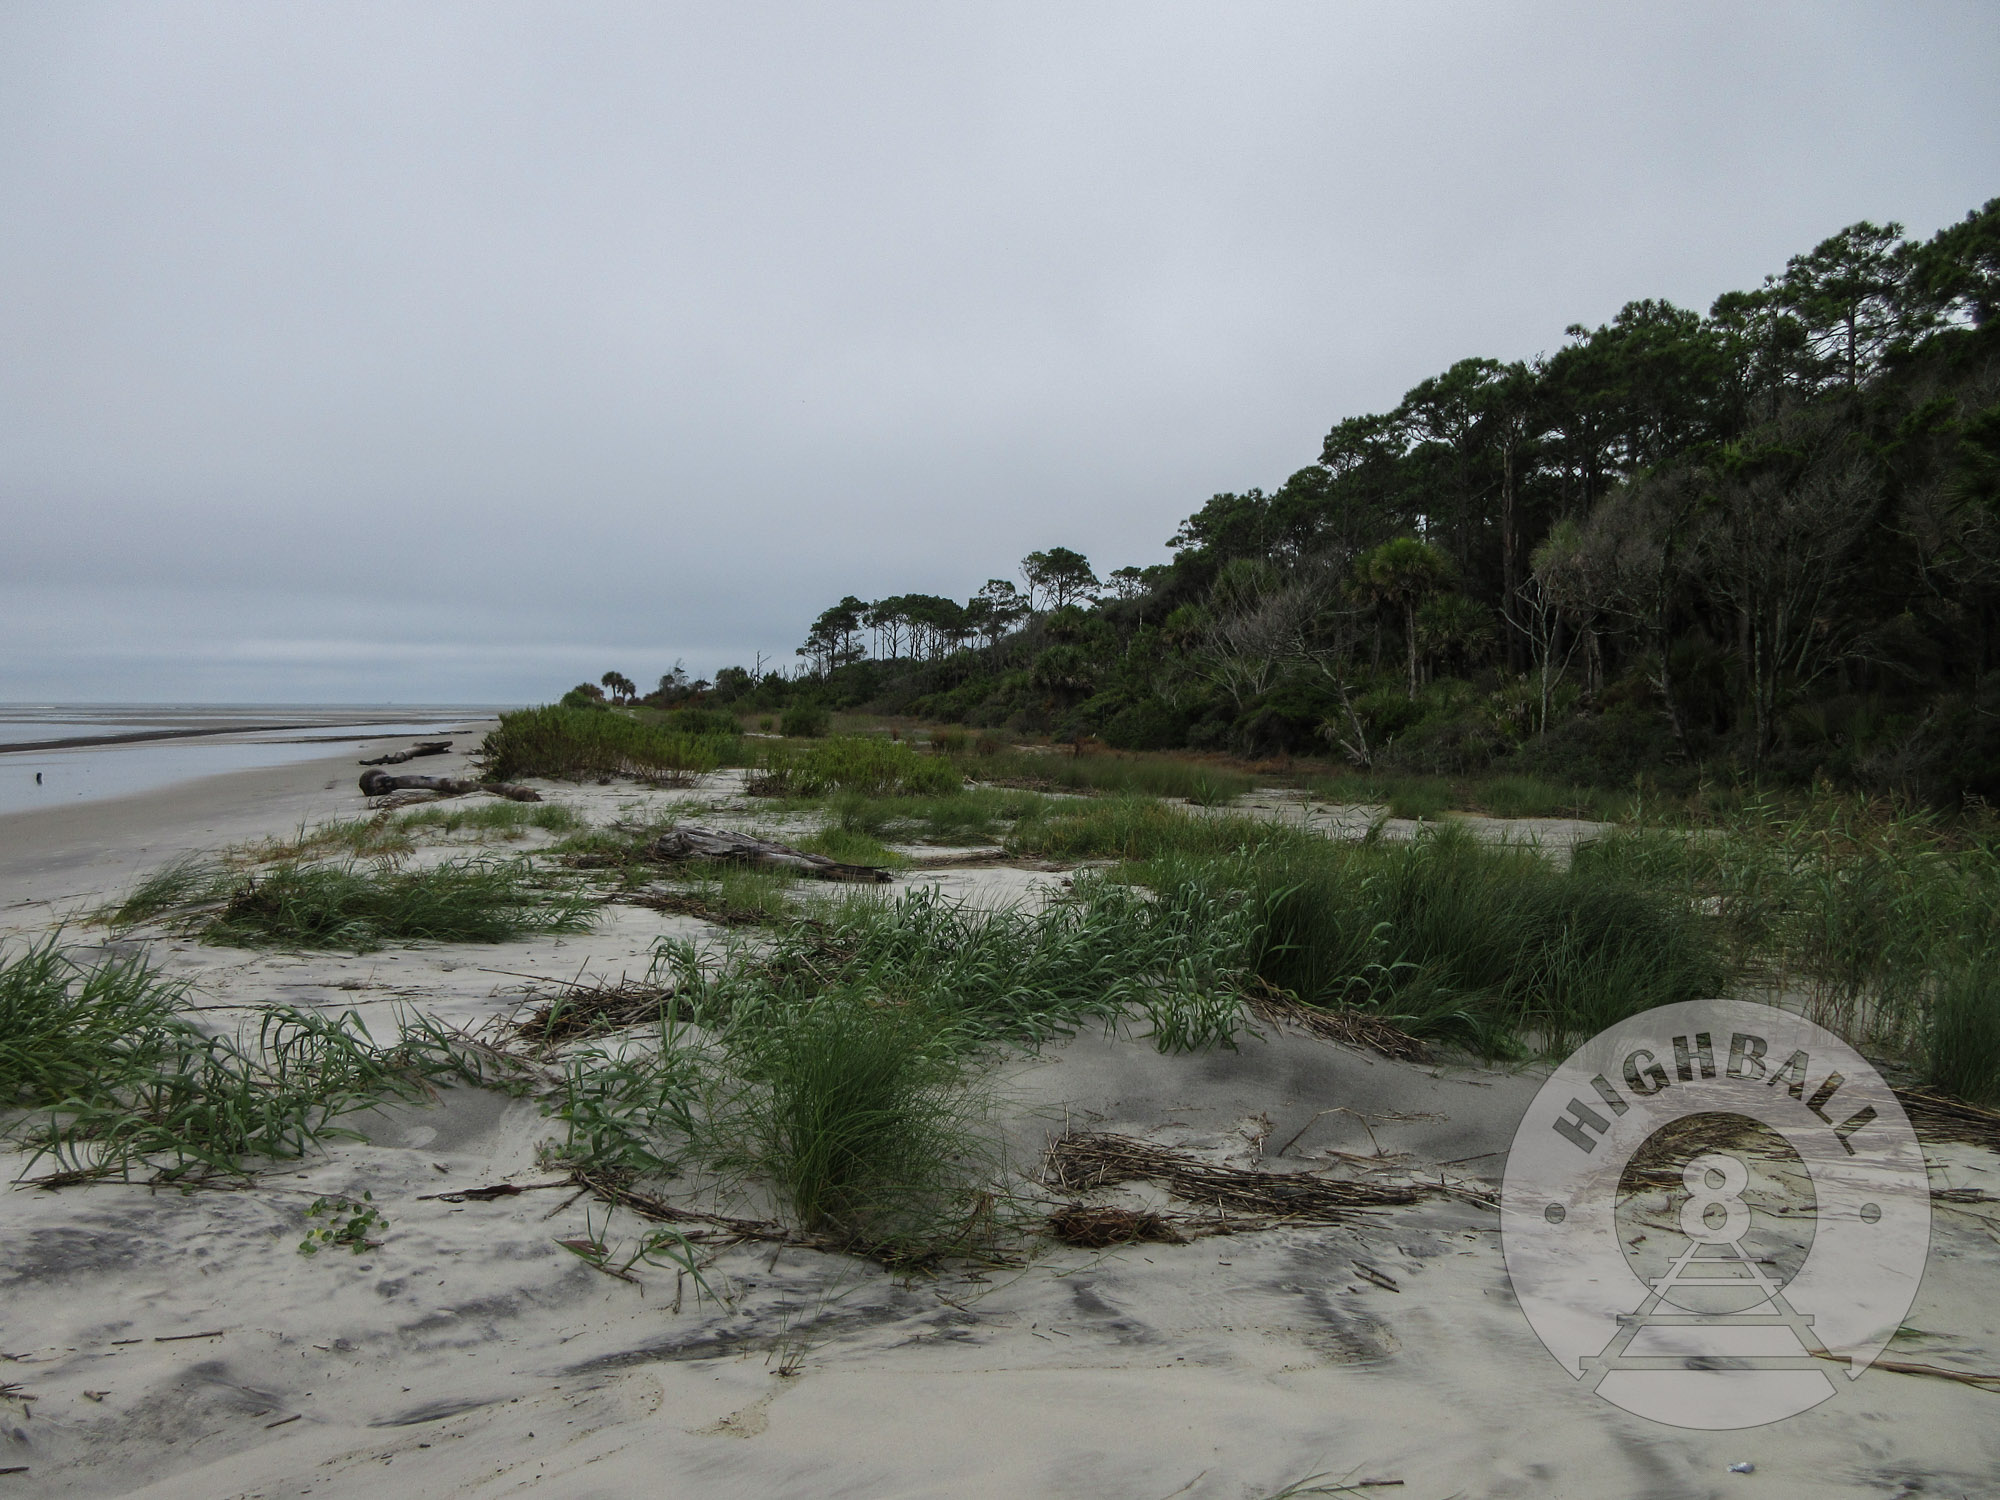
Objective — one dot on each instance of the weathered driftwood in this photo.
(685, 841)
(422, 748)
(381, 783)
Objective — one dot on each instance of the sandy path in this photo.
(471, 1356)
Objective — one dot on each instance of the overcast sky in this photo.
(450, 353)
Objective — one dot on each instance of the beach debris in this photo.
(416, 751)
(175, 1338)
(1746, 1467)
(1080, 1161)
(379, 783)
(282, 1421)
(580, 1010)
(1936, 1117)
(691, 841)
(488, 1194)
(688, 904)
(1369, 1273)
(1351, 1028)
(1093, 1227)
(1973, 1378)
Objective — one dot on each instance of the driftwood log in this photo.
(422, 748)
(688, 841)
(381, 783)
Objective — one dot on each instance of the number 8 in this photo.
(1694, 1213)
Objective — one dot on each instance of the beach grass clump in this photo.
(973, 815)
(190, 882)
(1447, 936)
(855, 763)
(575, 744)
(360, 908)
(65, 1027)
(374, 837)
(1140, 828)
(1531, 797)
(1013, 975)
(1453, 938)
(1877, 916)
(863, 1124)
(113, 1077)
(1120, 773)
(1962, 1037)
(1418, 799)
(508, 820)
(851, 847)
(834, 1063)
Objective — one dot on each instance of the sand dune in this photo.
(179, 1345)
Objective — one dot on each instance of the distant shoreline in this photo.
(81, 741)
(75, 742)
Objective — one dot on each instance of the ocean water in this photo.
(230, 737)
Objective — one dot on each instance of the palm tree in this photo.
(1400, 575)
(622, 688)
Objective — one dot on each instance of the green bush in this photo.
(703, 723)
(1604, 750)
(575, 744)
(1150, 725)
(1455, 744)
(805, 721)
(854, 763)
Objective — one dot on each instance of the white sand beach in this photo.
(160, 1343)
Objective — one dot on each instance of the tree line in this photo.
(1763, 538)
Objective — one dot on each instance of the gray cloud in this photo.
(455, 351)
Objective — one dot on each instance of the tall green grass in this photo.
(855, 763)
(1010, 975)
(863, 1124)
(116, 1078)
(364, 907)
(577, 744)
(835, 1063)
(972, 815)
(1427, 797)
(1132, 774)
(1962, 1037)
(188, 884)
(1138, 828)
(1448, 936)
(507, 819)
(1871, 914)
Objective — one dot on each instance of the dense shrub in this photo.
(804, 721)
(847, 763)
(1451, 746)
(1608, 749)
(710, 722)
(576, 743)
(1146, 725)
